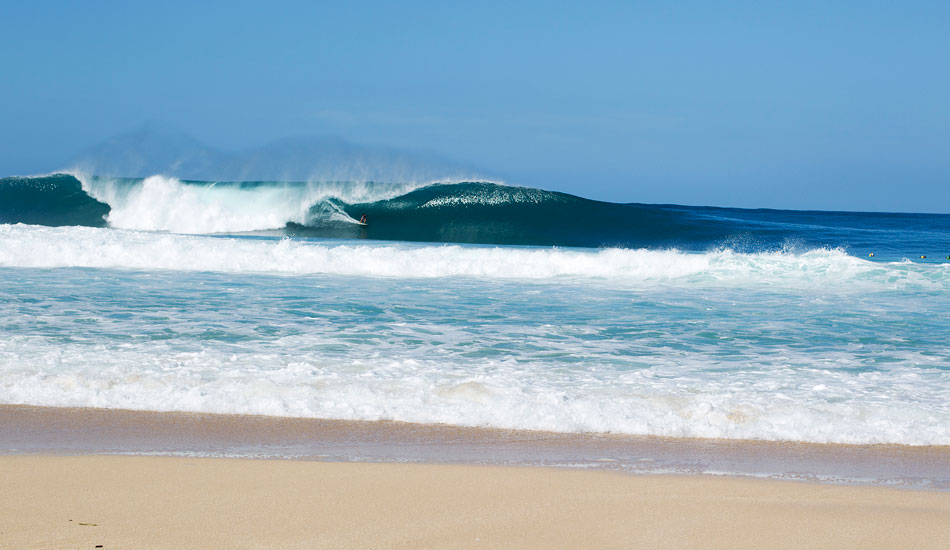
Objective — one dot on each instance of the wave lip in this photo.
(457, 211)
(160, 203)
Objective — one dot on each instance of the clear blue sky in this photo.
(827, 105)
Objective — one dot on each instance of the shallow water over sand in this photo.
(815, 346)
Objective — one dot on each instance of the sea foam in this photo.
(808, 346)
(161, 203)
(36, 246)
(672, 398)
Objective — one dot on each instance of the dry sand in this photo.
(164, 502)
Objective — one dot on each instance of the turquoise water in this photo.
(818, 346)
(192, 297)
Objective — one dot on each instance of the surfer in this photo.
(363, 219)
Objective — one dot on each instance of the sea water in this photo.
(782, 330)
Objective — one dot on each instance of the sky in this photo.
(805, 105)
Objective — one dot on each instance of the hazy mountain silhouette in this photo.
(159, 149)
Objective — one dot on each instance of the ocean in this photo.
(474, 304)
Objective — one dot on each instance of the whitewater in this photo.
(160, 203)
(474, 304)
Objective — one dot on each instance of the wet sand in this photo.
(49, 430)
(79, 478)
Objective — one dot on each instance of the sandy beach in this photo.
(166, 502)
(79, 478)
(633, 275)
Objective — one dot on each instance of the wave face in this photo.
(160, 203)
(269, 298)
(49, 200)
(463, 212)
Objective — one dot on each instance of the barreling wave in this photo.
(160, 203)
(461, 212)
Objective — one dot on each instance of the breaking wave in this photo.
(458, 212)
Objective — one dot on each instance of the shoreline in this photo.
(35, 430)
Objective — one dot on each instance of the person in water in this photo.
(363, 219)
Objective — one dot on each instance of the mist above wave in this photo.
(158, 149)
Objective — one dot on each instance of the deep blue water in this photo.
(468, 212)
(474, 304)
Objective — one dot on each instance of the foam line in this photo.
(38, 246)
